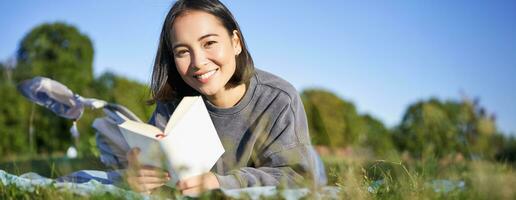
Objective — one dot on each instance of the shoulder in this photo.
(270, 83)
(161, 114)
(283, 99)
(165, 107)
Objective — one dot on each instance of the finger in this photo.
(189, 182)
(132, 157)
(135, 185)
(146, 180)
(194, 191)
(153, 186)
(133, 152)
(146, 184)
(152, 171)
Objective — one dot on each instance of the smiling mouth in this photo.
(205, 76)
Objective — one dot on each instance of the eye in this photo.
(181, 53)
(209, 44)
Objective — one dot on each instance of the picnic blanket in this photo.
(90, 182)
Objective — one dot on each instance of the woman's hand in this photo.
(143, 178)
(197, 184)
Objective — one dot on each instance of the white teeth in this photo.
(206, 75)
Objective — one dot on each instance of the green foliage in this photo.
(428, 128)
(126, 92)
(420, 179)
(507, 152)
(435, 128)
(14, 111)
(331, 120)
(58, 51)
(52, 192)
(378, 137)
(357, 179)
(335, 122)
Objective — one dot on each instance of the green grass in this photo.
(401, 178)
(13, 192)
(412, 179)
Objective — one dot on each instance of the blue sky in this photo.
(381, 55)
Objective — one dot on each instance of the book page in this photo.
(193, 146)
(140, 128)
(142, 135)
(183, 107)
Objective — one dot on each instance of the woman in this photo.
(259, 117)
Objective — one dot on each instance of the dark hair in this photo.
(166, 83)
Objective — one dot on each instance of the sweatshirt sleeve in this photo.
(160, 115)
(286, 157)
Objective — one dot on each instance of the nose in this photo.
(198, 59)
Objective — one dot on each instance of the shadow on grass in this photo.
(52, 167)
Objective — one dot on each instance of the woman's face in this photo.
(204, 52)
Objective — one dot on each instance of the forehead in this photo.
(195, 24)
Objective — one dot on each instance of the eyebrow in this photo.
(200, 38)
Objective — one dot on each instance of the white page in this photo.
(193, 143)
(143, 136)
(183, 107)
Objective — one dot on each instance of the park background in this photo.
(427, 85)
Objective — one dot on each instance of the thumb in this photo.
(132, 157)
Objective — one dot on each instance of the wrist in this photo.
(228, 181)
(213, 182)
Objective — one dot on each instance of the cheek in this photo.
(182, 65)
(224, 56)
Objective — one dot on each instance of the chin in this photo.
(207, 91)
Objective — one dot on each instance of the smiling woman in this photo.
(259, 117)
(204, 53)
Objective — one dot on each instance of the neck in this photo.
(228, 97)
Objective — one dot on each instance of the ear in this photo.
(235, 40)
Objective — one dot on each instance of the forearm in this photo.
(295, 167)
(263, 176)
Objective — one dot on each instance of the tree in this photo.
(128, 93)
(507, 151)
(426, 130)
(58, 51)
(331, 120)
(13, 114)
(439, 128)
(378, 137)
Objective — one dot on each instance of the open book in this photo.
(188, 146)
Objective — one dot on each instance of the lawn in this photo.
(357, 177)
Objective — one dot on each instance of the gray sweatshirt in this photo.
(265, 137)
